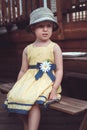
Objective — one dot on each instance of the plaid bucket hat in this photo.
(42, 14)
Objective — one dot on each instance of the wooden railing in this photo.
(12, 10)
(76, 12)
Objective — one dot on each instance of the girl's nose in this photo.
(45, 28)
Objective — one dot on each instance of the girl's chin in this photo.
(44, 39)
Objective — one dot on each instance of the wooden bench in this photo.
(75, 75)
(67, 105)
(5, 87)
(72, 106)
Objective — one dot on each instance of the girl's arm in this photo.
(59, 71)
(24, 65)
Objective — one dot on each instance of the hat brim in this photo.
(55, 25)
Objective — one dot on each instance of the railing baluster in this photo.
(9, 12)
(23, 9)
(13, 10)
(1, 17)
(3, 11)
(18, 9)
(28, 7)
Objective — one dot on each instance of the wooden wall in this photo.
(11, 47)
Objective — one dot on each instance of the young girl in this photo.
(41, 72)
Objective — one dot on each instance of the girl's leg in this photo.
(34, 118)
(24, 119)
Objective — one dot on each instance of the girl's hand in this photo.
(53, 94)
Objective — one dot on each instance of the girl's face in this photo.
(43, 30)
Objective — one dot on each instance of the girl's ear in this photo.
(33, 29)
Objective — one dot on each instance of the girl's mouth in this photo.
(45, 35)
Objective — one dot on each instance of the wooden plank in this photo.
(65, 108)
(76, 102)
(75, 75)
(75, 58)
(76, 65)
(83, 125)
(70, 105)
(5, 87)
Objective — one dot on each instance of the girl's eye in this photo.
(41, 26)
(44, 25)
(49, 25)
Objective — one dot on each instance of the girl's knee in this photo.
(36, 107)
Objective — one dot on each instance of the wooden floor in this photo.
(50, 120)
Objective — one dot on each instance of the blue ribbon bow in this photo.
(49, 73)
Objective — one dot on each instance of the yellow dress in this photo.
(27, 91)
